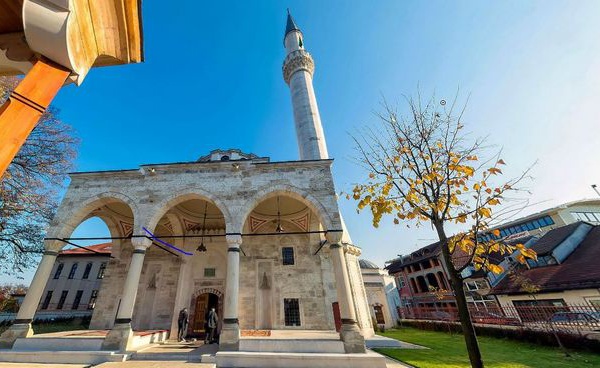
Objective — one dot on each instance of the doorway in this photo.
(204, 302)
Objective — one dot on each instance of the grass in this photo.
(55, 326)
(448, 351)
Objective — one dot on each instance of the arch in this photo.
(422, 284)
(68, 218)
(442, 278)
(174, 199)
(311, 202)
(432, 280)
(413, 286)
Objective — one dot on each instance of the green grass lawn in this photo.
(448, 351)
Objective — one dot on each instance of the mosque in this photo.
(261, 241)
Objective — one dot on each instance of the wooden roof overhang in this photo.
(76, 34)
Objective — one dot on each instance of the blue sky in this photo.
(212, 79)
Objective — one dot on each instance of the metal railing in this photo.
(567, 318)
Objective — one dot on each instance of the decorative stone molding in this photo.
(141, 243)
(234, 239)
(297, 60)
(352, 250)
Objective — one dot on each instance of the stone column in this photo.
(182, 289)
(230, 333)
(350, 334)
(121, 335)
(22, 324)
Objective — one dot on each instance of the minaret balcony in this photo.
(297, 60)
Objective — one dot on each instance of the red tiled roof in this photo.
(104, 249)
(579, 271)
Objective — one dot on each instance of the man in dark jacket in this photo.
(182, 325)
(211, 326)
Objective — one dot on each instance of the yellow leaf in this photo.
(529, 253)
(495, 268)
(496, 232)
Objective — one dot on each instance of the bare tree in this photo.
(423, 168)
(29, 188)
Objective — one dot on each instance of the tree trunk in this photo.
(461, 301)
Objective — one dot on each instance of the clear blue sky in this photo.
(212, 79)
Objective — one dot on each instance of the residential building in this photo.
(74, 282)
(566, 271)
(424, 278)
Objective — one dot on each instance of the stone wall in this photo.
(359, 294)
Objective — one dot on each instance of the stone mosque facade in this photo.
(261, 241)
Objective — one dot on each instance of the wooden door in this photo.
(336, 316)
(200, 312)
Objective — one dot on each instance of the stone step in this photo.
(292, 346)
(59, 343)
(186, 357)
(243, 359)
(61, 357)
(208, 358)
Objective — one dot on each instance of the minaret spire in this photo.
(298, 68)
(291, 25)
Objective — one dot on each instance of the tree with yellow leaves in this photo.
(424, 169)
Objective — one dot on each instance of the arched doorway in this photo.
(202, 303)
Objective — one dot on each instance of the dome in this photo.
(364, 264)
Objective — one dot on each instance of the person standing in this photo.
(211, 326)
(182, 325)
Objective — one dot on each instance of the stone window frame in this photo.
(300, 310)
(294, 255)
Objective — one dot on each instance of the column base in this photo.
(229, 340)
(14, 332)
(353, 340)
(119, 338)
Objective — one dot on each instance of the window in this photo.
(73, 270)
(77, 299)
(379, 315)
(61, 301)
(587, 216)
(291, 311)
(86, 272)
(101, 270)
(210, 272)
(58, 270)
(47, 299)
(287, 254)
(93, 297)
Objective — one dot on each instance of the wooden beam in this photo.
(25, 106)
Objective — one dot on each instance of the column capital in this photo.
(334, 237)
(234, 239)
(53, 245)
(141, 243)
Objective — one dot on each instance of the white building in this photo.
(74, 283)
(382, 294)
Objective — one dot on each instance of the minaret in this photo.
(298, 68)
